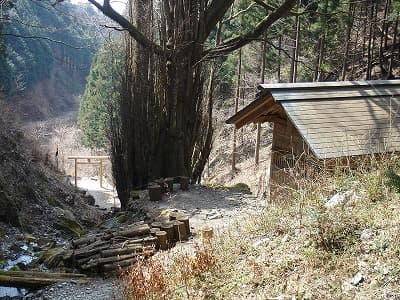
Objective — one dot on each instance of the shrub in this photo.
(335, 232)
(393, 180)
(145, 280)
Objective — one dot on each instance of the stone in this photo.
(357, 279)
(215, 216)
(261, 242)
(70, 200)
(386, 270)
(89, 199)
(366, 234)
(342, 199)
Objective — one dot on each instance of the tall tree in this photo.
(161, 116)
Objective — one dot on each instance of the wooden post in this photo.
(76, 171)
(257, 150)
(206, 234)
(101, 173)
(162, 241)
(169, 229)
(185, 220)
(180, 231)
(88, 160)
(155, 192)
(184, 181)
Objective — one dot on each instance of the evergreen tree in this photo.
(102, 91)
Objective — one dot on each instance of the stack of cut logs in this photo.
(161, 186)
(168, 232)
(122, 247)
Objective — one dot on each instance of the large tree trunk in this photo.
(160, 111)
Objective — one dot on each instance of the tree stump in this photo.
(154, 230)
(185, 219)
(162, 184)
(162, 240)
(173, 215)
(169, 229)
(184, 181)
(170, 184)
(180, 231)
(156, 225)
(206, 234)
(155, 192)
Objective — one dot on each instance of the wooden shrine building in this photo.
(323, 121)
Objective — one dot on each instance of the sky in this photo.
(118, 5)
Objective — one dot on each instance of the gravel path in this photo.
(96, 289)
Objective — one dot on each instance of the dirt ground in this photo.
(206, 206)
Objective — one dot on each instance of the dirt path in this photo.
(218, 208)
(105, 197)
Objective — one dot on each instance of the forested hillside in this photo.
(47, 54)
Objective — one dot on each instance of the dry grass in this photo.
(299, 249)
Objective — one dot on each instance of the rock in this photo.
(215, 216)
(366, 234)
(261, 242)
(342, 199)
(386, 270)
(89, 199)
(357, 279)
(70, 200)
(68, 180)
(69, 226)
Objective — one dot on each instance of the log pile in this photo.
(113, 249)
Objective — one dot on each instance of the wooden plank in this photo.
(333, 94)
(342, 136)
(348, 125)
(332, 152)
(35, 280)
(327, 112)
(42, 274)
(355, 142)
(251, 115)
(87, 157)
(345, 102)
(333, 84)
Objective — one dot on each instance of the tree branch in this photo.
(266, 6)
(238, 14)
(107, 10)
(214, 13)
(35, 37)
(240, 41)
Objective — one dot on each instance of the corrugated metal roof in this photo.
(343, 118)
